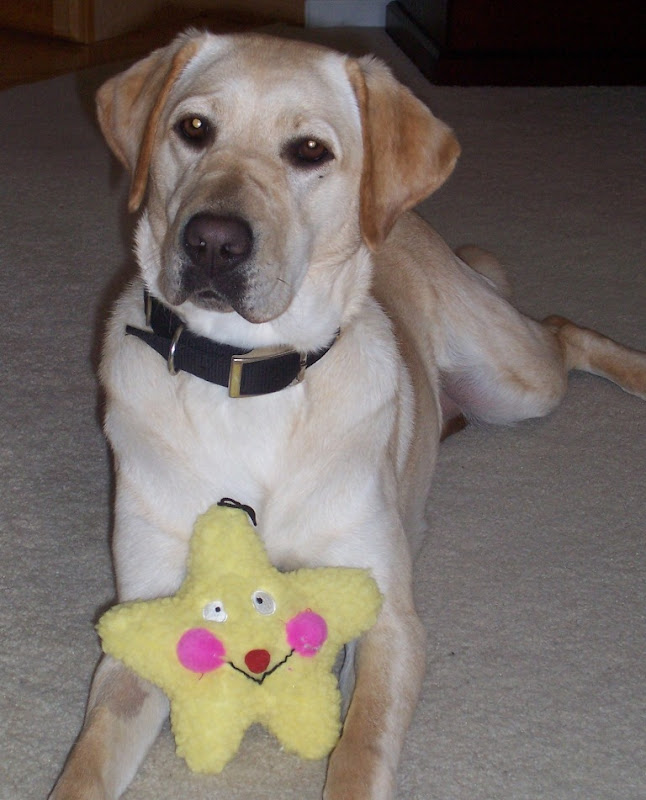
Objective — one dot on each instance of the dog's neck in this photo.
(243, 372)
(331, 295)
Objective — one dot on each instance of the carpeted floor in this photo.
(533, 579)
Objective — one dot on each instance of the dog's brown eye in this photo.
(308, 151)
(194, 130)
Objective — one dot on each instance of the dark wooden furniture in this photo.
(510, 42)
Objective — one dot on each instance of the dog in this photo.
(300, 340)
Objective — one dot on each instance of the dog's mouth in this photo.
(256, 298)
(211, 300)
(254, 304)
(211, 292)
(260, 677)
(208, 295)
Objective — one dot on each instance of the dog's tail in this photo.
(589, 351)
(487, 265)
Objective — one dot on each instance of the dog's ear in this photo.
(407, 152)
(130, 104)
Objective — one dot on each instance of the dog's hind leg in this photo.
(518, 370)
(500, 366)
(589, 351)
(123, 718)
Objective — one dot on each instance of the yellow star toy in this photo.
(241, 642)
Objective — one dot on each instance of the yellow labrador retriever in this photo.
(297, 340)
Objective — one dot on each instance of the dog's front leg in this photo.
(390, 668)
(123, 718)
(124, 713)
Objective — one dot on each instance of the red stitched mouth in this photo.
(260, 678)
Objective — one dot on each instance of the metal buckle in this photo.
(238, 364)
(171, 352)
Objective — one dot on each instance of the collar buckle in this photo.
(173, 346)
(239, 362)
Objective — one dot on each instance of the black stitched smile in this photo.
(264, 674)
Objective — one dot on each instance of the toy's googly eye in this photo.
(263, 602)
(214, 611)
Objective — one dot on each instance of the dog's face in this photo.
(254, 176)
(266, 164)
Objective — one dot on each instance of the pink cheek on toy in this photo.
(200, 651)
(306, 633)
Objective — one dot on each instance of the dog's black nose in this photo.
(217, 242)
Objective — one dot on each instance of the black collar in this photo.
(245, 373)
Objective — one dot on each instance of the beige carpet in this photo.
(532, 581)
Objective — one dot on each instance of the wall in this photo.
(327, 13)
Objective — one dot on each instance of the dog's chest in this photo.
(196, 446)
(239, 445)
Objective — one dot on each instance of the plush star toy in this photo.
(241, 642)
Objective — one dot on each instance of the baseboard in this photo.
(414, 41)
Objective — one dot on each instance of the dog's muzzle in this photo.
(216, 247)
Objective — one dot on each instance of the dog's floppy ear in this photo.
(407, 152)
(130, 104)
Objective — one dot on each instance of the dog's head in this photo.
(266, 166)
